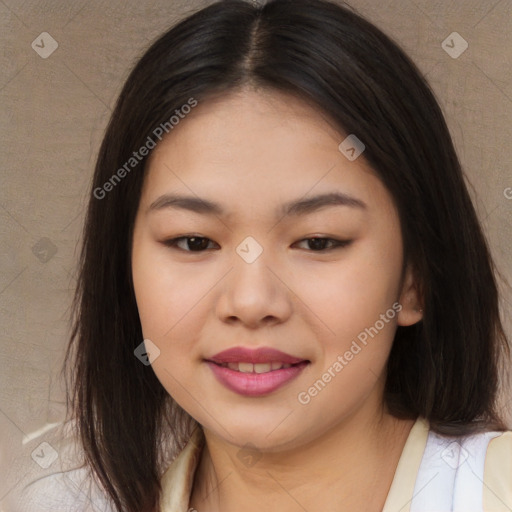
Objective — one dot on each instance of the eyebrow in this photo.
(297, 207)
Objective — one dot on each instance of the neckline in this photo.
(402, 486)
(178, 480)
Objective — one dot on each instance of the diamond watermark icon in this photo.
(249, 250)
(44, 455)
(146, 352)
(44, 45)
(351, 147)
(454, 45)
(454, 455)
(249, 455)
(44, 250)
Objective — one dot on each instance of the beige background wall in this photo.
(54, 111)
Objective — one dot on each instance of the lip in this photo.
(255, 384)
(254, 355)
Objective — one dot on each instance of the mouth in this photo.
(255, 371)
(251, 379)
(258, 368)
(244, 356)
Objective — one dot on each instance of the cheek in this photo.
(165, 310)
(172, 304)
(351, 295)
(358, 310)
(165, 294)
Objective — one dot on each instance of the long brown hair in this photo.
(445, 368)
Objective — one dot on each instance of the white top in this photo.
(434, 473)
(451, 474)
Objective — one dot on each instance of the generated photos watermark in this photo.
(143, 151)
(304, 397)
(147, 352)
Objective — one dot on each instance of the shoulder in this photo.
(51, 477)
(177, 480)
(498, 473)
(471, 473)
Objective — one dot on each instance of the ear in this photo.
(410, 300)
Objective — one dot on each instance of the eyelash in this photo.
(338, 244)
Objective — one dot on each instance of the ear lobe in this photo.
(410, 300)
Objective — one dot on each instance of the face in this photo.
(261, 257)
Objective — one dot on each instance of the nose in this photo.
(254, 294)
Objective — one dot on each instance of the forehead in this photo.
(258, 148)
(262, 124)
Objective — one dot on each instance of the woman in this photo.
(284, 281)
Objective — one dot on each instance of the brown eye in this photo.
(318, 244)
(192, 243)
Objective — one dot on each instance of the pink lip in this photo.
(255, 384)
(255, 355)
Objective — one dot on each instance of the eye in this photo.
(200, 243)
(319, 243)
(195, 243)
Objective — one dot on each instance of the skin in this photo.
(252, 151)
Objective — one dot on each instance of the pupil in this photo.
(195, 245)
(317, 243)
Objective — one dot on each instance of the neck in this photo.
(350, 467)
